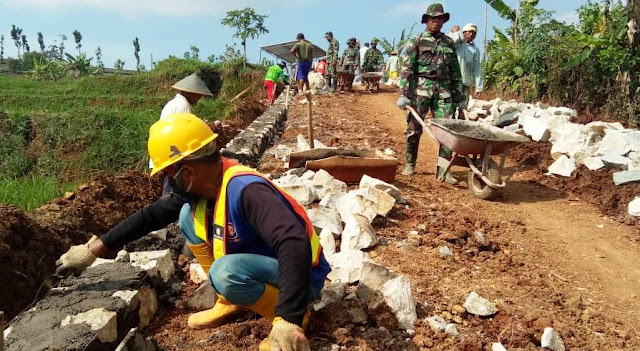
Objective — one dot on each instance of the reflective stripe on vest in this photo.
(217, 237)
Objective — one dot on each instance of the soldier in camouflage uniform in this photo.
(348, 64)
(373, 61)
(430, 81)
(331, 77)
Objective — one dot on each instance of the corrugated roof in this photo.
(283, 51)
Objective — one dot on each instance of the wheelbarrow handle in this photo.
(425, 125)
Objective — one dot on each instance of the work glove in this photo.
(402, 103)
(74, 261)
(287, 336)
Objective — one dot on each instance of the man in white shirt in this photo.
(190, 90)
(470, 60)
(363, 51)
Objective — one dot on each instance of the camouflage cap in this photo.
(329, 33)
(374, 42)
(435, 10)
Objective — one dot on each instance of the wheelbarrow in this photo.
(371, 80)
(475, 143)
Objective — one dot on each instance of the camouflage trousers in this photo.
(331, 77)
(440, 108)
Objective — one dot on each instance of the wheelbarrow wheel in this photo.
(479, 188)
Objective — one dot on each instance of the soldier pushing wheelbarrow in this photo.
(348, 64)
(372, 67)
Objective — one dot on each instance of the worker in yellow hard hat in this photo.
(256, 242)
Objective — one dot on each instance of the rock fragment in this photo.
(479, 306)
(100, 320)
(203, 298)
(358, 234)
(551, 340)
(156, 263)
(397, 295)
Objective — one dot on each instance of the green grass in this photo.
(72, 129)
(31, 192)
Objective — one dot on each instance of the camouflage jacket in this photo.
(373, 59)
(350, 60)
(332, 52)
(430, 68)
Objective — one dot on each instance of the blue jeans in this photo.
(240, 277)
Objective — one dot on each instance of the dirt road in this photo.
(553, 260)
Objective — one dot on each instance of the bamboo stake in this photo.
(310, 115)
(286, 103)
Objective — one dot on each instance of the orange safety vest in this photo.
(218, 243)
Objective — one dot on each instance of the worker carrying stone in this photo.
(470, 60)
(190, 90)
(275, 74)
(430, 81)
(257, 244)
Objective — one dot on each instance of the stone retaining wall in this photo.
(249, 145)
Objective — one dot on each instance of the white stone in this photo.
(148, 305)
(600, 128)
(122, 256)
(384, 200)
(513, 128)
(479, 306)
(437, 324)
(615, 142)
(331, 293)
(326, 218)
(444, 252)
(357, 202)
(6, 332)
(197, 273)
(563, 166)
(203, 298)
(126, 295)
(100, 261)
(282, 152)
(303, 145)
(634, 207)
(552, 121)
(303, 194)
(358, 234)
(370, 182)
(331, 201)
(563, 111)
(633, 139)
(318, 144)
(496, 346)
(389, 152)
(615, 161)
(347, 266)
(495, 112)
(328, 242)
(104, 322)
(551, 340)
(535, 128)
(397, 295)
(451, 330)
(158, 234)
(374, 276)
(325, 184)
(593, 163)
(308, 176)
(156, 263)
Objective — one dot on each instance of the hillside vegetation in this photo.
(56, 133)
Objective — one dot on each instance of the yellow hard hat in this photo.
(175, 137)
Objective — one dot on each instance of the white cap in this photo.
(470, 27)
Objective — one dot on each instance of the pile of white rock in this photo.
(343, 220)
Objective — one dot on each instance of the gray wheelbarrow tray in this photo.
(475, 142)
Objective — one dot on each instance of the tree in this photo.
(2, 48)
(230, 54)
(99, 60)
(192, 54)
(248, 25)
(78, 38)
(119, 65)
(63, 38)
(16, 32)
(136, 53)
(25, 44)
(41, 42)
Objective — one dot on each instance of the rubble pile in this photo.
(595, 145)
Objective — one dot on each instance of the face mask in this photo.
(179, 184)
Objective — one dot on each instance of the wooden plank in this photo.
(626, 177)
(351, 169)
(298, 159)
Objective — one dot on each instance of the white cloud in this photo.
(140, 8)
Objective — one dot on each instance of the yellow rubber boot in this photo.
(266, 304)
(215, 316)
(204, 254)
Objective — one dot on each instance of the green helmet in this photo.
(435, 10)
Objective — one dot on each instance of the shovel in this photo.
(425, 125)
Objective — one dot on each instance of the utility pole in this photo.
(486, 24)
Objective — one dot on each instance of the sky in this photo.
(170, 27)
